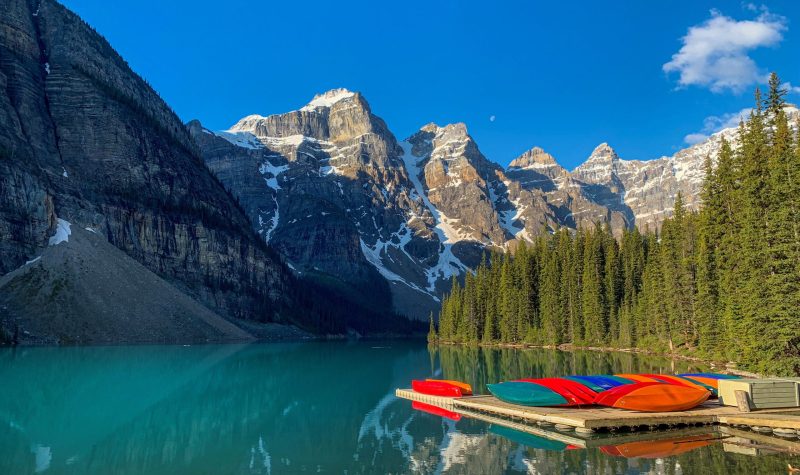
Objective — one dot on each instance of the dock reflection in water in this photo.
(294, 408)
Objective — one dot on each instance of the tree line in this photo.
(723, 282)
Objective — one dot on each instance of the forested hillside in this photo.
(723, 282)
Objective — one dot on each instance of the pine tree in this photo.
(706, 312)
(593, 296)
(550, 305)
(432, 338)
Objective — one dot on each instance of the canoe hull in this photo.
(436, 388)
(527, 394)
(653, 397)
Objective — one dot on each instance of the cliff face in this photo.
(85, 139)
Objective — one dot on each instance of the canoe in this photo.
(435, 410)
(714, 383)
(466, 389)
(637, 378)
(529, 394)
(653, 397)
(529, 440)
(570, 390)
(653, 449)
(681, 381)
(436, 388)
(586, 382)
(601, 383)
(701, 384)
(712, 375)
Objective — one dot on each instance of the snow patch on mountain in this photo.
(328, 99)
(242, 139)
(511, 221)
(272, 173)
(62, 234)
(273, 222)
(447, 264)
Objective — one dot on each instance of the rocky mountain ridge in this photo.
(341, 198)
(85, 140)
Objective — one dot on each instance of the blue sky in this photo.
(565, 76)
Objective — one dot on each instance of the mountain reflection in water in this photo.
(324, 407)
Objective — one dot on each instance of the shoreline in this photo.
(727, 368)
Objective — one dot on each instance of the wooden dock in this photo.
(597, 419)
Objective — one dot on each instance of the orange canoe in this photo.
(659, 448)
(653, 397)
(466, 389)
(639, 378)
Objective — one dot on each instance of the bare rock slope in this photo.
(82, 289)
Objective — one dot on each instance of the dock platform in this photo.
(599, 419)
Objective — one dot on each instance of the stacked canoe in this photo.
(638, 392)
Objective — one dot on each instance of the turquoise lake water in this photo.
(322, 407)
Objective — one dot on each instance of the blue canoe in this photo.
(600, 383)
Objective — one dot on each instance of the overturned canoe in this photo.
(681, 381)
(435, 410)
(600, 383)
(466, 389)
(529, 394)
(653, 397)
(637, 378)
(437, 388)
(572, 391)
(711, 375)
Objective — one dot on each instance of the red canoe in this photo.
(575, 393)
(653, 397)
(437, 388)
(466, 389)
(435, 410)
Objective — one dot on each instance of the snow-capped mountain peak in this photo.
(328, 99)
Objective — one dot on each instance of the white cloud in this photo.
(714, 123)
(715, 53)
(492, 118)
(692, 139)
(790, 88)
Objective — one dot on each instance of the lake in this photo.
(318, 407)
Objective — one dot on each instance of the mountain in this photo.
(85, 140)
(391, 222)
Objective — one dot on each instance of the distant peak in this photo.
(603, 152)
(430, 127)
(535, 157)
(246, 124)
(458, 127)
(329, 98)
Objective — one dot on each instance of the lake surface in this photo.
(322, 407)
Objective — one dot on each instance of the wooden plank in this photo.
(777, 419)
(742, 400)
(603, 418)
